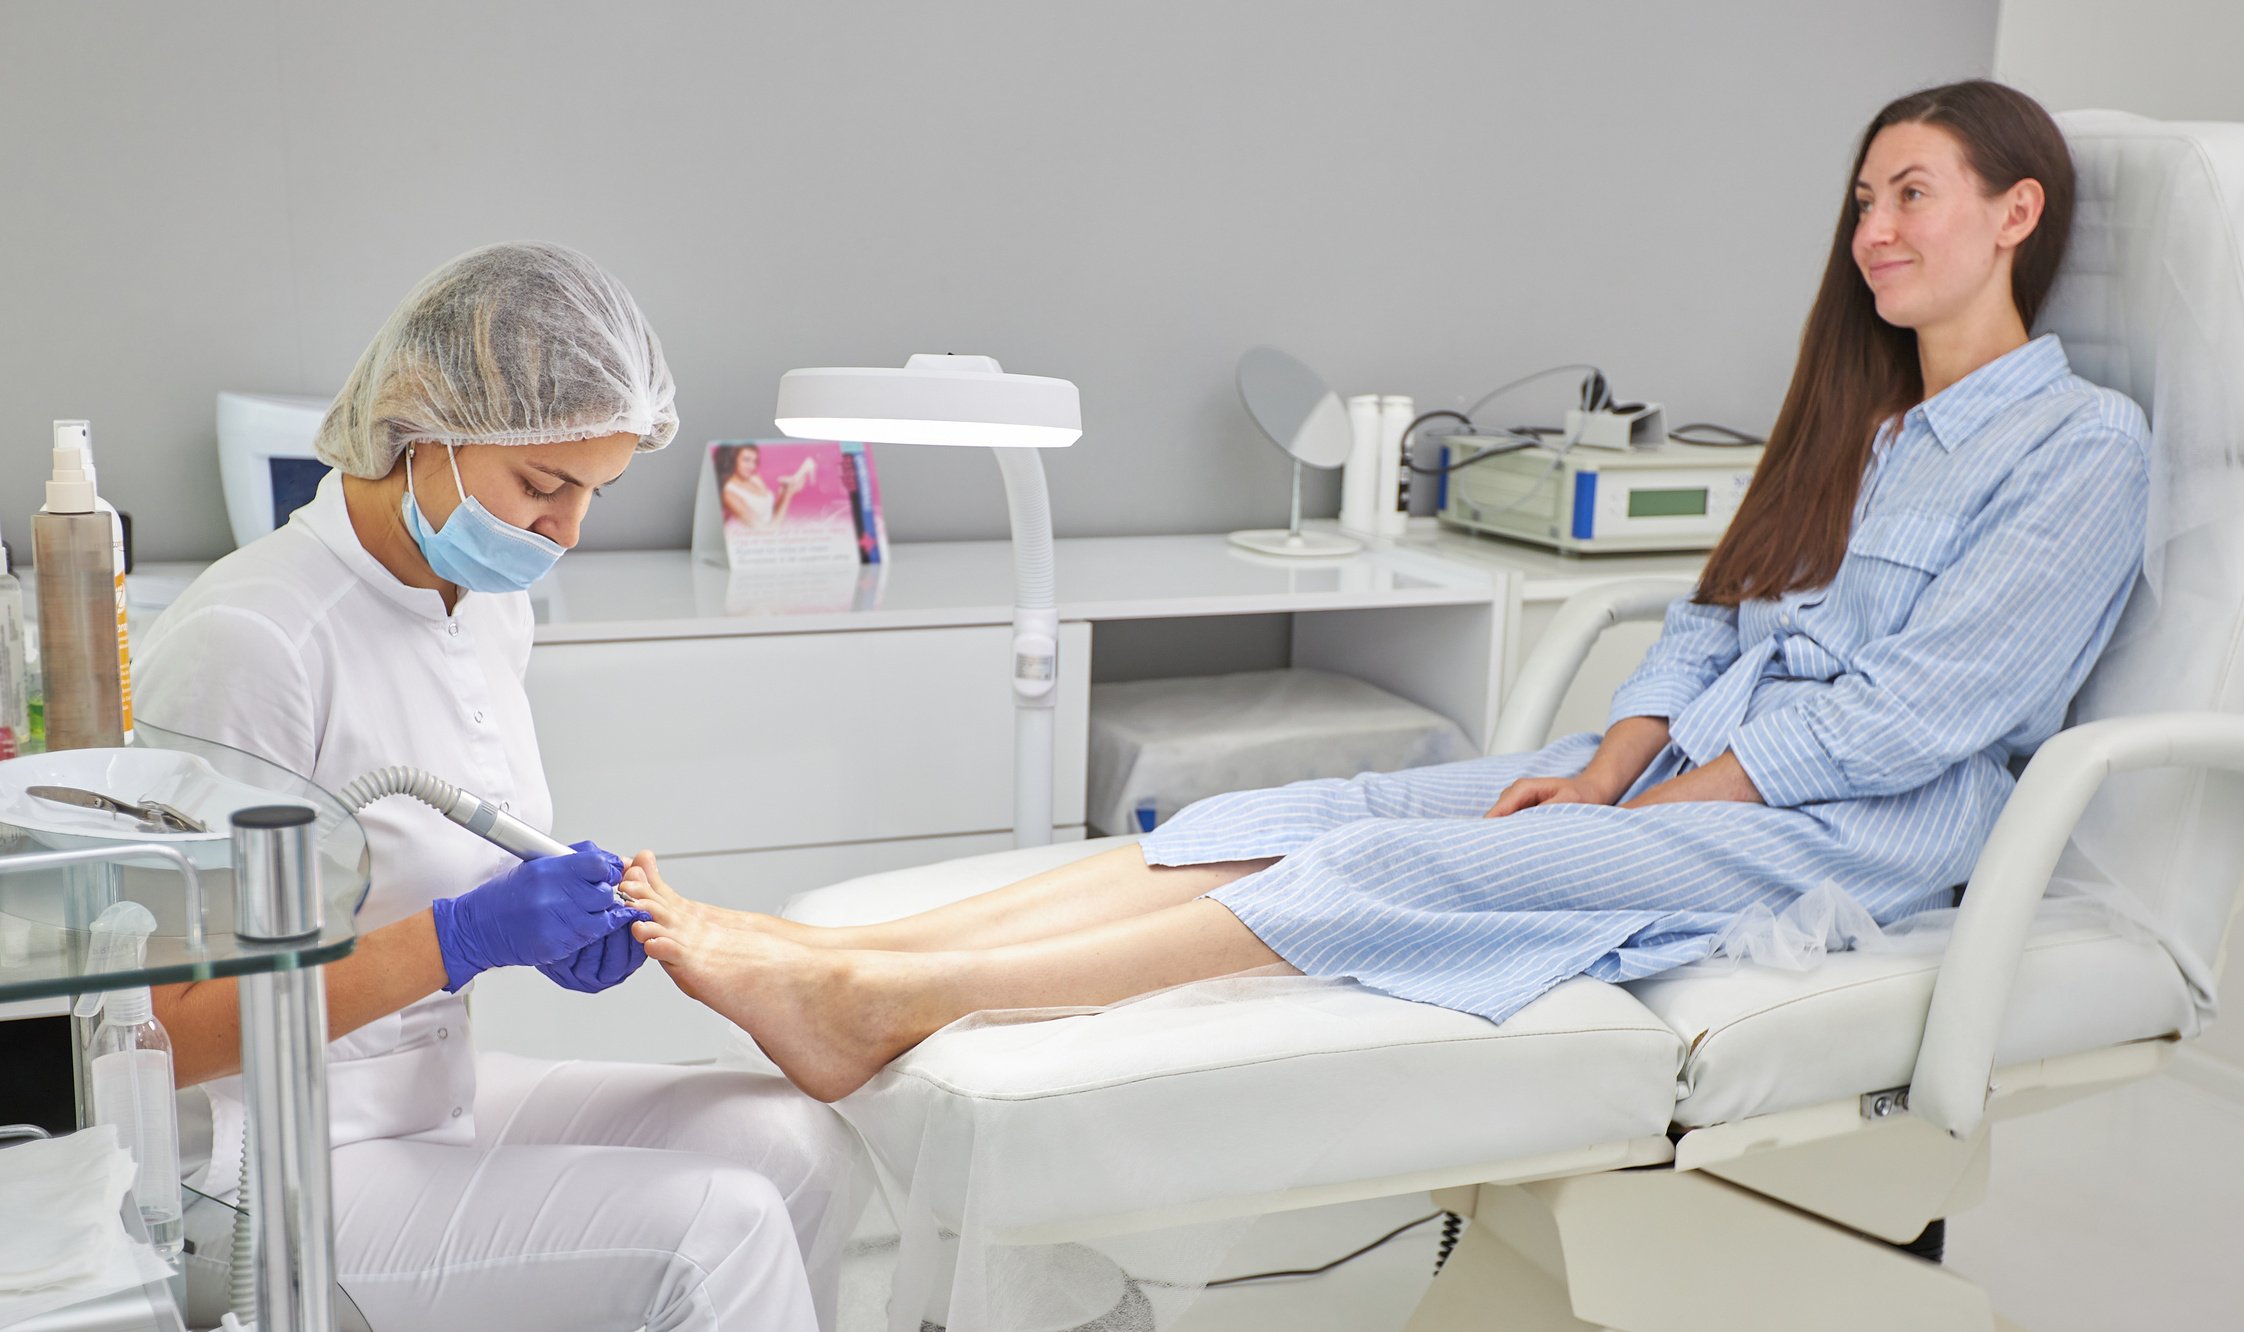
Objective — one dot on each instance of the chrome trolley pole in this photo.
(284, 1072)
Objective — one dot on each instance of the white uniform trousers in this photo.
(604, 1197)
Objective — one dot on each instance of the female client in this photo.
(1937, 545)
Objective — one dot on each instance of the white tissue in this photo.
(1822, 920)
(76, 1186)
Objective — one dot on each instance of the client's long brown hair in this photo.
(1856, 370)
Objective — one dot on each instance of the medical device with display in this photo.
(265, 461)
(1670, 496)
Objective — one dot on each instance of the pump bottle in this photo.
(84, 656)
(133, 1088)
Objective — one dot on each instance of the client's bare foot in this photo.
(830, 1019)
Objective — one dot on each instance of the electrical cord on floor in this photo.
(1298, 1272)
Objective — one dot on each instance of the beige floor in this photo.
(2122, 1213)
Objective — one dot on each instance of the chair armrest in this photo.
(1972, 989)
(1532, 703)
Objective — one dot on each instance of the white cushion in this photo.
(1238, 1087)
(1763, 1040)
(1758, 1039)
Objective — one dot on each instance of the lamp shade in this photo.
(931, 400)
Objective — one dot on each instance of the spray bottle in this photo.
(132, 1073)
(84, 656)
(83, 432)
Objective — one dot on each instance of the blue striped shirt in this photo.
(1996, 539)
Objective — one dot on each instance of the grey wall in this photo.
(2171, 59)
(1421, 196)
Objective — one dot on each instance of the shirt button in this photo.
(443, 1033)
(479, 719)
(456, 1110)
(452, 627)
(507, 805)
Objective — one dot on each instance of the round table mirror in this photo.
(1296, 412)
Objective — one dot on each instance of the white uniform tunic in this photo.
(304, 650)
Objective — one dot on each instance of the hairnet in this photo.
(521, 343)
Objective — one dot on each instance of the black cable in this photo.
(1520, 437)
(1498, 392)
(1452, 1230)
(1320, 1271)
(1730, 439)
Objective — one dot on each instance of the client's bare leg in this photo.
(1113, 885)
(832, 1017)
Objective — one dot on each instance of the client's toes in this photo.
(664, 949)
(650, 874)
(664, 913)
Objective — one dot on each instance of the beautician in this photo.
(388, 623)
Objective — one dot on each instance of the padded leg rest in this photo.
(1242, 1087)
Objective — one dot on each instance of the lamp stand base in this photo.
(1278, 541)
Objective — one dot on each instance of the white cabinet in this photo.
(746, 742)
(762, 765)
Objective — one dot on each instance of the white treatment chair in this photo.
(1728, 1148)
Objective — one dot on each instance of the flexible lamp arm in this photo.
(1036, 644)
(965, 400)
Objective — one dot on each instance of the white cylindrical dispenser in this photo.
(1360, 478)
(1395, 411)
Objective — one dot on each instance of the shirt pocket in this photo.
(1891, 558)
(1925, 542)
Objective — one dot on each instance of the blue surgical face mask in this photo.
(474, 549)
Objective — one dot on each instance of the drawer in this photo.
(702, 745)
(646, 1019)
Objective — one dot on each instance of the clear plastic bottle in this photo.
(15, 666)
(133, 1086)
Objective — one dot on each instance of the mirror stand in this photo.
(1292, 540)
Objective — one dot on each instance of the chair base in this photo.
(1681, 1251)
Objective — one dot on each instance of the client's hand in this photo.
(1528, 792)
(1723, 779)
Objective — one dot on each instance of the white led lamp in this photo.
(970, 400)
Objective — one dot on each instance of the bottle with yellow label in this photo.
(78, 554)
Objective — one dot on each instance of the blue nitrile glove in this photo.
(605, 961)
(539, 911)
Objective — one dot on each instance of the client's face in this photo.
(1928, 239)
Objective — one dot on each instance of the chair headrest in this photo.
(2150, 301)
(2150, 298)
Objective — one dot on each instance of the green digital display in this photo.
(1667, 503)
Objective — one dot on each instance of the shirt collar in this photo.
(1961, 410)
(328, 518)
